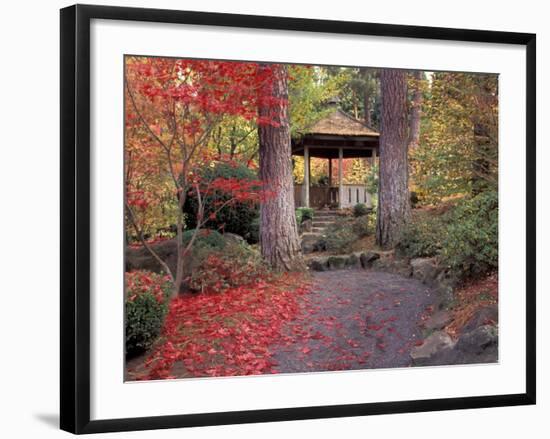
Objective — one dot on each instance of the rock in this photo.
(313, 243)
(141, 259)
(337, 262)
(318, 264)
(401, 267)
(368, 258)
(306, 226)
(380, 265)
(475, 347)
(425, 269)
(437, 342)
(353, 261)
(479, 340)
(233, 238)
(484, 316)
(438, 320)
(444, 285)
(310, 244)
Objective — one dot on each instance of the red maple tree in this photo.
(172, 107)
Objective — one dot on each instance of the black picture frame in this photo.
(75, 217)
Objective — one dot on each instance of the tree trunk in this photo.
(279, 240)
(485, 134)
(393, 193)
(368, 111)
(480, 165)
(416, 110)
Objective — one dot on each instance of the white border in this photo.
(111, 398)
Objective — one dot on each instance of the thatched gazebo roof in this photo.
(337, 130)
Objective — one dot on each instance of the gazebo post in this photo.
(340, 177)
(329, 191)
(306, 176)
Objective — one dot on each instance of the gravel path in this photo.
(355, 319)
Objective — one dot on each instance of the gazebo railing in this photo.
(320, 196)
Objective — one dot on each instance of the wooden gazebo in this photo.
(336, 136)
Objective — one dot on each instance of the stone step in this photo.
(325, 212)
(317, 230)
(325, 217)
(322, 223)
(312, 235)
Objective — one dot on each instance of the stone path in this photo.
(355, 319)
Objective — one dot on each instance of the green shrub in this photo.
(470, 246)
(206, 242)
(364, 225)
(303, 214)
(237, 265)
(253, 235)
(422, 237)
(236, 217)
(146, 305)
(205, 238)
(340, 236)
(360, 209)
(372, 180)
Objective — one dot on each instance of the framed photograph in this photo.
(268, 218)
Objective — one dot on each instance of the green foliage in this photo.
(308, 90)
(422, 237)
(470, 246)
(146, 305)
(304, 213)
(235, 136)
(372, 179)
(465, 238)
(359, 92)
(253, 235)
(235, 217)
(341, 236)
(360, 209)
(237, 265)
(206, 238)
(364, 225)
(458, 151)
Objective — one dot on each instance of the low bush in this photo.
(303, 214)
(360, 209)
(146, 305)
(237, 265)
(205, 238)
(470, 246)
(364, 225)
(422, 237)
(465, 237)
(340, 236)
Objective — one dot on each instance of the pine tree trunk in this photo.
(368, 111)
(393, 193)
(416, 110)
(279, 240)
